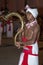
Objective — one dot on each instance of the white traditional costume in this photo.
(29, 56)
(9, 29)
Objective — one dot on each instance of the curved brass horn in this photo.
(3, 18)
(22, 24)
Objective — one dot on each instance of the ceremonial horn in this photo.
(22, 24)
(3, 18)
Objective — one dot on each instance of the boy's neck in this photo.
(31, 20)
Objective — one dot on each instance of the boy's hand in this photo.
(18, 45)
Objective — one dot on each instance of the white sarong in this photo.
(29, 56)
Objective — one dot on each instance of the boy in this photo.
(29, 56)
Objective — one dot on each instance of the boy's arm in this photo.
(33, 38)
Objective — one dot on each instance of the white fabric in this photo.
(32, 59)
(10, 32)
(34, 12)
(28, 25)
(35, 48)
(27, 6)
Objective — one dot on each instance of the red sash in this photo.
(27, 52)
(24, 39)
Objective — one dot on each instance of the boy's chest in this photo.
(28, 32)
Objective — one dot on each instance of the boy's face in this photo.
(29, 16)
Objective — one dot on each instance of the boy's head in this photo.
(31, 13)
(29, 16)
